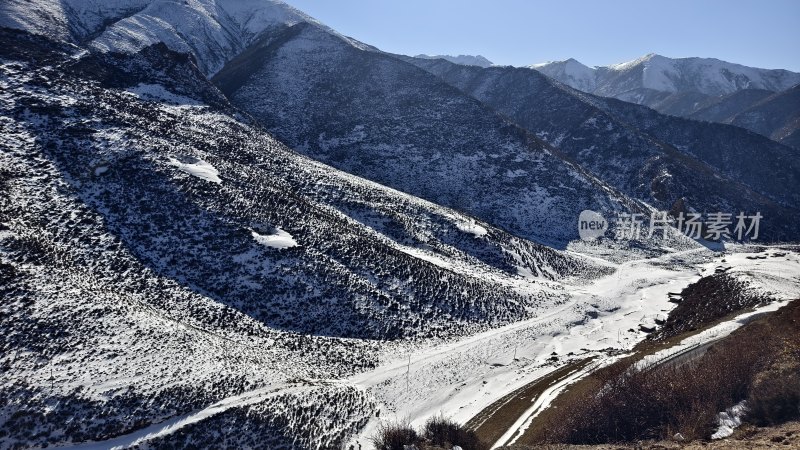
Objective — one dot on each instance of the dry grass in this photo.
(759, 362)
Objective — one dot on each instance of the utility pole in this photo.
(408, 374)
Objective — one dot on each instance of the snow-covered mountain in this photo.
(570, 72)
(159, 253)
(707, 76)
(332, 98)
(376, 116)
(176, 274)
(704, 75)
(467, 60)
(657, 158)
(677, 86)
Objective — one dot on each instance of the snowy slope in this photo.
(570, 72)
(67, 20)
(160, 256)
(213, 31)
(374, 115)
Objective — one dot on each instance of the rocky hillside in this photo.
(666, 161)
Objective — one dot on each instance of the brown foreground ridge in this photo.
(786, 436)
(759, 363)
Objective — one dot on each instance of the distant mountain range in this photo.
(700, 88)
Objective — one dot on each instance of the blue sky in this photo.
(763, 33)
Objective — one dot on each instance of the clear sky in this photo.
(760, 33)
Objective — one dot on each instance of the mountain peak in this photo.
(466, 60)
(570, 71)
(646, 59)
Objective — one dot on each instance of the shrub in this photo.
(658, 402)
(438, 433)
(759, 363)
(445, 433)
(395, 436)
(775, 398)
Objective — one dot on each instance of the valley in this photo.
(224, 224)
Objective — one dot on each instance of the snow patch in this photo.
(424, 255)
(197, 168)
(516, 173)
(729, 419)
(278, 239)
(157, 92)
(472, 228)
